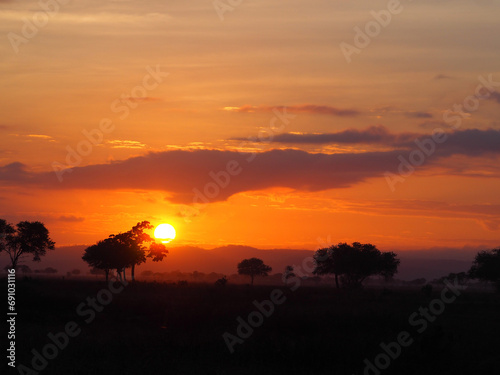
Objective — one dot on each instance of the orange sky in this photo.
(229, 82)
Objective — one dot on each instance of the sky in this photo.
(275, 124)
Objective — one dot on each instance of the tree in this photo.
(27, 238)
(222, 281)
(124, 250)
(24, 268)
(253, 267)
(354, 263)
(486, 266)
(109, 254)
(47, 270)
(288, 274)
(136, 239)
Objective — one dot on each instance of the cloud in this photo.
(71, 218)
(184, 174)
(435, 125)
(302, 108)
(469, 142)
(495, 96)
(180, 172)
(419, 114)
(371, 135)
(443, 76)
(30, 137)
(141, 100)
(117, 143)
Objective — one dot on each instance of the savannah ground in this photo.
(151, 328)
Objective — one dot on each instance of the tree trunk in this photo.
(106, 271)
(14, 259)
(337, 281)
(124, 276)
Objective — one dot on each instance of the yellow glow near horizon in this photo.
(165, 232)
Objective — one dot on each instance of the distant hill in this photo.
(430, 263)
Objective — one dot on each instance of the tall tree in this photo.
(486, 266)
(26, 238)
(142, 245)
(354, 263)
(124, 250)
(253, 267)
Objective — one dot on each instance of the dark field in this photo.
(152, 328)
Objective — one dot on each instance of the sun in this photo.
(165, 233)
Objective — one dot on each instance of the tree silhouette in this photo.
(109, 254)
(222, 281)
(124, 250)
(47, 270)
(354, 263)
(288, 274)
(26, 238)
(136, 239)
(486, 266)
(253, 267)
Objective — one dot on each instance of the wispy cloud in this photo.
(30, 137)
(465, 142)
(371, 135)
(299, 108)
(141, 100)
(419, 114)
(434, 125)
(118, 143)
(71, 218)
(40, 136)
(443, 76)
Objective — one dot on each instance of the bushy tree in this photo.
(109, 254)
(354, 263)
(486, 266)
(253, 267)
(124, 250)
(142, 245)
(222, 281)
(26, 238)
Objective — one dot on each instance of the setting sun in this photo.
(165, 233)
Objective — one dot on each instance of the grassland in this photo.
(156, 328)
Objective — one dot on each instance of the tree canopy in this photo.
(253, 267)
(486, 266)
(124, 250)
(26, 238)
(354, 263)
